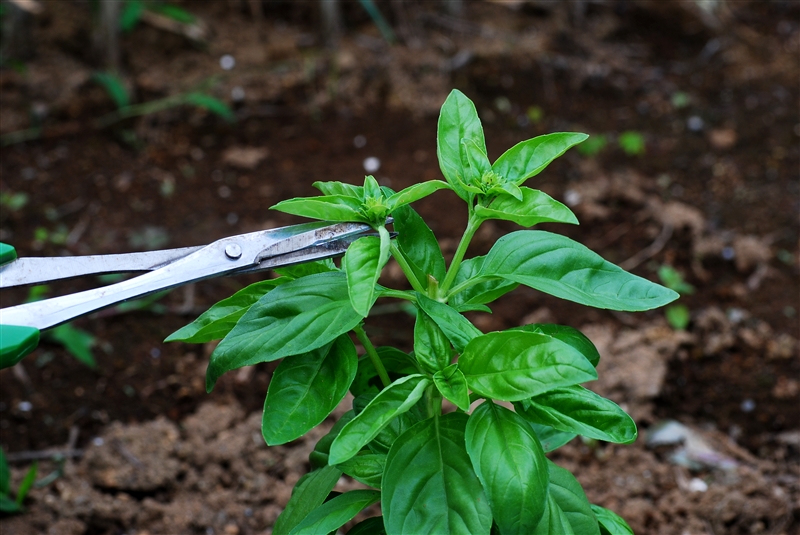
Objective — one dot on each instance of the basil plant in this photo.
(426, 432)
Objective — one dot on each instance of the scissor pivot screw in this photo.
(233, 251)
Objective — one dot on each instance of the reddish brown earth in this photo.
(716, 194)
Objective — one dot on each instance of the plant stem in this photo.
(469, 232)
(434, 401)
(372, 354)
(407, 271)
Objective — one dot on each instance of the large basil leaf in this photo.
(550, 439)
(418, 244)
(455, 326)
(395, 399)
(327, 208)
(532, 208)
(363, 263)
(452, 384)
(305, 389)
(366, 468)
(319, 456)
(511, 466)
(483, 292)
(516, 365)
(530, 157)
(336, 512)
(561, 267)
(308, 494)
(566, 334)
(293, 319)
(575, 409)
(431, 346)
(307, 268)
(429, 485)
(458, 120)
(610, 522)
(217, 321)
(554, 520)
(570, 498)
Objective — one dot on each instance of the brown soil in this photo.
(716, 192)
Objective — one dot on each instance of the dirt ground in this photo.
(715, 193)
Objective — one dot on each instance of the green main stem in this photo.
(373, 355)
(469, 233)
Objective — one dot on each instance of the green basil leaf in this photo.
(382, 443)
(471, 308)
(455, 326)
(566, 334)
(395, 399)
(431, 346)
(458, 120)
(319, 456)
(561, 267)
(418, 244)
(554, 520)
(370, 526)
(474, 162)
(570, 498)
(550, 439)
(453, 386)
(511, 466)
(292, 319)
(340, 188)
(306, 388)
(327, 208)
(575, 409)
(336, 512)
(429, 485)
(482, 292)
(415, 193)
(515, 365)
(533, 207)
(395, 362)
(366, 468)
(529, 158)
(216, 322)
(504, 189)
(307, 268)
(5, 474)
(372, 189)
(309, 493)
(363, 263)
(610, 522)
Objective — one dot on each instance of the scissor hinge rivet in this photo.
(233, 251)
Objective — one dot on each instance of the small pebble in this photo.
(695, 123)
(227, 62)
(748, 405)
(25, 406)
(372, 164)
(359, 141)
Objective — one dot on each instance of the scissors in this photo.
(244, 253)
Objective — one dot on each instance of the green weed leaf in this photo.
(455, 326)
(328, 208)
(429, 485)
(458, 120)
(336, 512)
(295, 318)
(366, 468)
(27, 483)
(306, 388)
(309, 493)
(452, 384)
(363, 263)
(114, 86)
(392, 401)
(511, 466)
(610, 522)
(561, 267)
(569, 497)
(575, 409)
(173, 12)
(529, 158)
(533, 208)
(78, 343)
(418, 244)
(131, 15)
(5, 474)
(212, 104)
(515, 365)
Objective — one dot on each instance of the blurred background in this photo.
(134, 125)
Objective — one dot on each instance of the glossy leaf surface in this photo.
(452, 384)
(308, 494)
(483, 292)
(328, 208)
(554, 521)
(336, 512)
(456, 327)
(610, 522)
(431, 346)
(418, 244)
(568, 335)
(550, 439)
(533, 208)
(529, 158)
(366, 468)
(458, 120)
(570, 498)
(363, 263)
(415, 193)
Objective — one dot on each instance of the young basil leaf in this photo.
(308, 494)
(295, 318)
(305, 389)
(458, 120)
(471, 308)
(554, 520)
(363, 263)
(395, 399)
(429, 485)
(319, 456)
(415, 193)
(455, 326)
(475, 163)
(511, 466)
(533, 207)
(340, 188)
(431, 346)
(566, 334)
(569, 495)
(575, 409)
(561, 267)
(550, 439)
(370, 526)
(366, 468)
(482, 292)
(336, 512)
(217, 321)
(372, 188)
(506, 188)
(418, 244)
(514, 365)
(610, 522)
(529, 158)
(395, 362)
(307, 268)
(453, 386)
(328, 208)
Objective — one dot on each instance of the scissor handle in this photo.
(7, 253)
(15, 341)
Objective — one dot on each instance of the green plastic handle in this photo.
(15, 343)
(7, 253)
